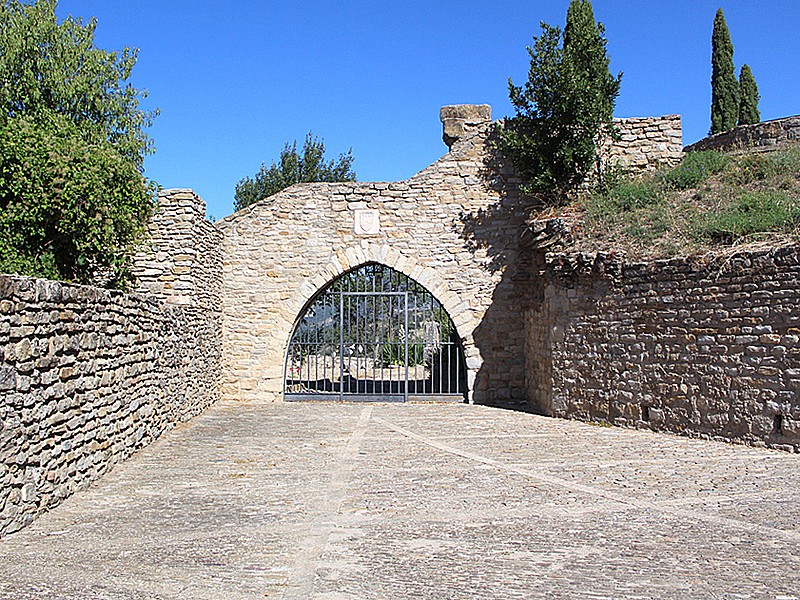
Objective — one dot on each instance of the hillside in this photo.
(709, 203)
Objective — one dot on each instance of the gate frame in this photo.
(354, 257)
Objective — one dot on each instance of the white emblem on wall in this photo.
(368, 222)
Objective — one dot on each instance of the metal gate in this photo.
(375, 334)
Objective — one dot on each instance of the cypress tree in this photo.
(748, 98)
(724, 87)
(566, 103)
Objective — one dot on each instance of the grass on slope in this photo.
(709, 202)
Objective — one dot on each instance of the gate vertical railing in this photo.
(361, 341)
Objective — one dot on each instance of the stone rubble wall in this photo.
(645, 144)
(454, 228)
(181, 262)
(766, 136)
(88, 376)
(711, 350)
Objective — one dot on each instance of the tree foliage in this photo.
(748, 97)
(73, 201)
(563, 108)
(293, 167)
(724, 86)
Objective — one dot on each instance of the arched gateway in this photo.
(449, 238)
(444, 244)
(375, 334)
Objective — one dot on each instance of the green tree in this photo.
(748, 98)
(293, 167)
(563, 108)
(73, 201)
(724, 86)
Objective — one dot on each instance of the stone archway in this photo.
(453, 228)
(346, 260)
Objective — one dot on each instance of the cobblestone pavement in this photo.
(330, 501)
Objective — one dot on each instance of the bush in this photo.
(73, 201)
(68, 209)
(695, 168)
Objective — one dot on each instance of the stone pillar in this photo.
(460, 121)
(181, 262)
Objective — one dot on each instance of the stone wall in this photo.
(88, 376)
(705, 349)
(645, 143)
(181, 262)
(454, 228)
(766, 136)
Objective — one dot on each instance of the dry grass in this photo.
(710, 203)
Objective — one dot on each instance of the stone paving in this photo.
(332, 501)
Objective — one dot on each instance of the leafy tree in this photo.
(563, 108)
(724, 87)
(73, 201)
(748, 98)
(294, 168)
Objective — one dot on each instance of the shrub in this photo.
(73, 201)
(695, 168)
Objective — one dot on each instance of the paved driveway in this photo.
(330, 501)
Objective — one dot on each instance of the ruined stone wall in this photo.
(704, 349)
(766, 136)
(454, 228)
(181, 261)
(645, 144)
(88, 376)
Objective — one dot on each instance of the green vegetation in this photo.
(710, 200)
(694, 169)
(750, 213)
(732, 102)
(724, 87)
(73, 201)
(395, 354)
(748, 97)
(294, 168)
(566, 103)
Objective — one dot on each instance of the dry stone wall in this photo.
(181, 261)
(645, 143)
(703, 349)
(766, 136)
(88, 376)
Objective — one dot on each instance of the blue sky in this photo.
(236, 80)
